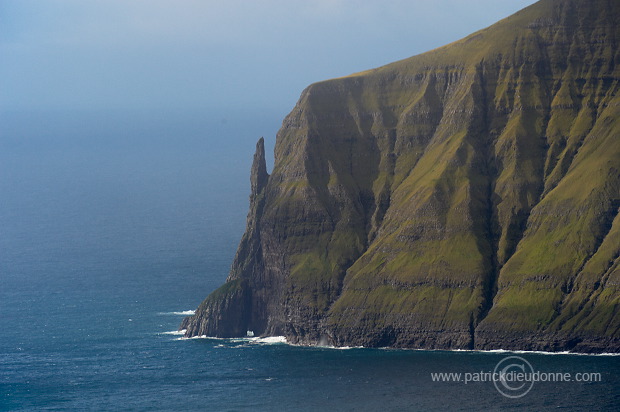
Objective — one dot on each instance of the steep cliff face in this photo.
(464, 198)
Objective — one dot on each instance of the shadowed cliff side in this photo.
(239, 305)
(467, 197)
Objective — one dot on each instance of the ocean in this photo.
(115, 225)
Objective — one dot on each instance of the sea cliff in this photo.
(465, 198)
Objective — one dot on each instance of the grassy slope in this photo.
(472, 138)
(475, 186)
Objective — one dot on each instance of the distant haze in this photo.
(205, 54)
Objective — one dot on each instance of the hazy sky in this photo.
(208, 54)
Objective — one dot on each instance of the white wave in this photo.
(277, 340)
(519, 352)
(214, 338)
(334, 347)
(195, 337)
(540, 352)
(347, 347)
(175, 332)
(181, 313)
(269, 340)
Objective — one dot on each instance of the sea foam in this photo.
(181, 313)
(175, 332)
(269, 340)
(519, 352)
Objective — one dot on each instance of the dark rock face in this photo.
(228, 312)
(464, 198)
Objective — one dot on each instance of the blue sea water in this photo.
(114, 224)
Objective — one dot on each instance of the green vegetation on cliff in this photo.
(467, 197)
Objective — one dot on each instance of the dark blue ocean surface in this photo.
(114, 224)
